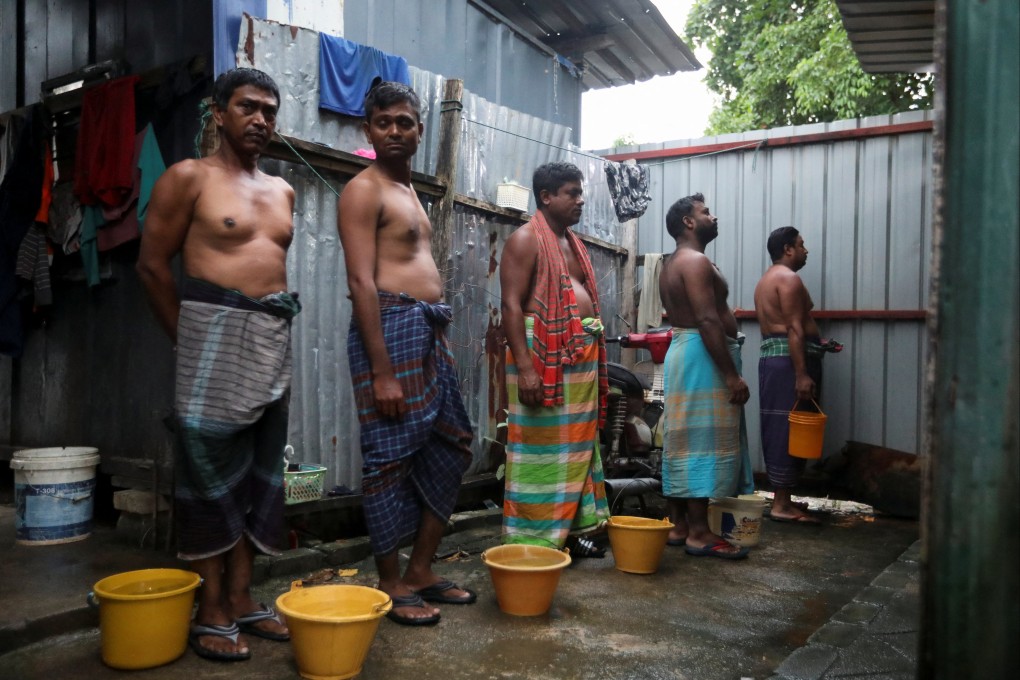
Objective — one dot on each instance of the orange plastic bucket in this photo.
(638, 542)
(807, 432)
(332, 627)
(144, 616)
(525, 577)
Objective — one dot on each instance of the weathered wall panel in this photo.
(493, 62)
(864, 208)
(56, 38)
(100, 371)
(496, 143)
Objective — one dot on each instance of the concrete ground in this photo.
(839, 600)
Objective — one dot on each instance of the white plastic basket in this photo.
(512, 196)
(302, 484)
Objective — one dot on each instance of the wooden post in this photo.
(628, 307)
(446, 172)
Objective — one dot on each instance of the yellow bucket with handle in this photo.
(332, 627)
(807, 432)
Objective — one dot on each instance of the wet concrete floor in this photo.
(698, 617)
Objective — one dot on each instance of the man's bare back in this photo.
(781, 297)
(683, 275)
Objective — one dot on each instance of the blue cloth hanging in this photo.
(346, 70)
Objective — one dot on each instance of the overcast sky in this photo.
(657, 110)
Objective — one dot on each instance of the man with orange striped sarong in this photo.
(556, 374)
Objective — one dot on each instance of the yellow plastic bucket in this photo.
(738, 520)
(638, 542)
(332, 627)
(144, 616)
(807, 432)
(525, 577)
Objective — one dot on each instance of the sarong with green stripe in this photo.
(705, 452)
(555, 486)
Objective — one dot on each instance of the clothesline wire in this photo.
(323, 179)
(531, 139)
(600, 158)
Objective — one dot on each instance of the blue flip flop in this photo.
(247, 624)
(230, 632)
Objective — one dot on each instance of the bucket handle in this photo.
(812, 401)
(379, 608)
(91, 601)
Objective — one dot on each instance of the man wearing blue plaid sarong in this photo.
(705, 451)
(415, 432)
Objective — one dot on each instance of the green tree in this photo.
(789, 62)
(626, 139)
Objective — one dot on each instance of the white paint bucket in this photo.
(738, 520)
(53, 494)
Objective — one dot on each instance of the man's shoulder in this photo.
(278, 183)
(687, 258)
(524, 234)
(189, 168)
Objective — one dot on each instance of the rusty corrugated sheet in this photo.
(496, 143)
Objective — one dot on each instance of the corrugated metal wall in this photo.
(864, 208)
(57, 38)
(99, 372)
(496, 143)
(455, 39)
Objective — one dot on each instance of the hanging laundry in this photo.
(346, 70)
(34, 264)
(628, 187)
(90, 223)
(103, 169)
(649, 313)
(124, 223)
(65, 218)
(19, 203)
(47, 188)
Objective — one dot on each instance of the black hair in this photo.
(227, 82)
(551, 176)
(679, 210)
(383, 94)
(779, 239)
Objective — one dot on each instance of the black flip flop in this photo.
(413, 600)
(580, 546)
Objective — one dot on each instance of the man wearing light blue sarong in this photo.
(705, 450)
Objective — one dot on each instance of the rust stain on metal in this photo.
(249, 42)
(493, 242)
(293, 32)
(495, 354)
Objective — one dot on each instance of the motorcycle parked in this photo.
(631, 440)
